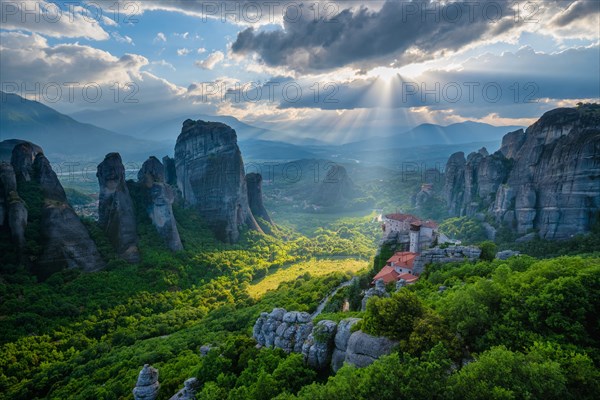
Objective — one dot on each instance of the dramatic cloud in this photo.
(75, 75)
(212, 60)
(399, 33)
(38, 16)
(482, 85)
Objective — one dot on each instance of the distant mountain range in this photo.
(434, 135)
(62, 137)
(67, 138)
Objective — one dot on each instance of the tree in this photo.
(488, 250)
(393, 317)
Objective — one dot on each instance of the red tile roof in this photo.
(403, 258)
(388, 274)
(409, 278)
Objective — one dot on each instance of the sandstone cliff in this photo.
(545, 179)
(116, 215)
(65, 240)
(158, 200)
(210, 176)
(255, 198)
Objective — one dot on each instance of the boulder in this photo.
(147, 386)
(344, 331)
(377, 291)
(188, 392)
(318, 347)
(116, 215)
(285, 330)
(364, 349)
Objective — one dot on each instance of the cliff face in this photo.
(255, 197)
(210, 176)
(545, 179)
(65, 240)
(158, 201)
(13, 211)
(115, 208)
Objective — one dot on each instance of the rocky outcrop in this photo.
(147, 386)
(363, 349)
(210, 176)
(318, 347)
(506, 254)
(116, 215)
(282, 329)
(443, 256)
(377, 291)
(473, 181)
(454, 186)
(170, 172)
(66, 240)
(255, 197)
(323, 344)
(545, 179)
(512, 142)
(188, 392)
(158, 200)
(336, 189)
(23, 156)
(13, 211)
(344, 331)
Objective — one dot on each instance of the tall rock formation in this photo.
(13, 211)
(336, 189)
(255, 197)
(116, 215)
(545, 179)
(210, 176)
(65, 240)
(170, 172)
(147, 386)
(158, 200)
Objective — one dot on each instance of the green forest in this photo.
(524, 328)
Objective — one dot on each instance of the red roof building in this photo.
(403, 260)
(399, 266)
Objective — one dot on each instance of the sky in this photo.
(330, 70)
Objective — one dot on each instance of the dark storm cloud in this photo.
(364, 38)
